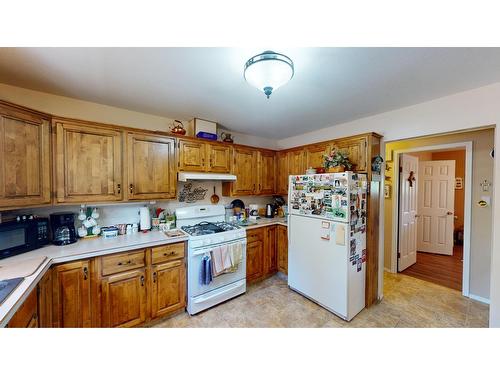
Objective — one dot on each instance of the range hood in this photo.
(187, 176)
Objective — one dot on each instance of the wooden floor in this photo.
(445, 270)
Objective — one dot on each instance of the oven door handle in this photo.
(207, 249)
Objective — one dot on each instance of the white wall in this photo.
(83, 110)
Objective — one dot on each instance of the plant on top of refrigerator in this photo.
(336, 158)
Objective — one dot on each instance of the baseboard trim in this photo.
(479, 298)
(387, 270)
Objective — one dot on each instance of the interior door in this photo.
(408, 186)
(436, 202)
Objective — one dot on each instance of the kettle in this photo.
(269, 210)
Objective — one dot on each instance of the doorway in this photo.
(433, 211)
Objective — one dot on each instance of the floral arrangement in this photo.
(336, 158)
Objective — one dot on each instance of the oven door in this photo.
(195, 287)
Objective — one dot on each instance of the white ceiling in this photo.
(330, 86)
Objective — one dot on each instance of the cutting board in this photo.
(24, 268)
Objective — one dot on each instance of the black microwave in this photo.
(17, 237)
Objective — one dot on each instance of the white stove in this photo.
(207, 231)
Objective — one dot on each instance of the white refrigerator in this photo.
(327, 240)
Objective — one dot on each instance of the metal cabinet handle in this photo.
(125, 263)
(154, 277)
(142, 280)
(119, 187)
(131, 188)
(167, 254)
(85, 273)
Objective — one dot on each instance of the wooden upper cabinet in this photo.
(168, 287)
(282, 173)
(88, 163)
(202, 156)
(244, 167)
(24, 158)
(219, 157)
(267, 179)
(314, 155)
(124, 299)
(296, 165)
(151, 167)
(356, 149)
(192, 156)
(71, 295)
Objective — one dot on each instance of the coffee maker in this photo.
(63, 228)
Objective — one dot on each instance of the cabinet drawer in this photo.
(255, 235)
(122, 262)
(168, 252)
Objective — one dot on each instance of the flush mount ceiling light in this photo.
(268, 71)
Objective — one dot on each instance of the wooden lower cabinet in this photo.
(168, 291)
(45, 301)
(27, 315)
(266, 252)
(270, 250)
(123, 300)
(71, 295)
(282, 245)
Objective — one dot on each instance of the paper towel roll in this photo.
(145, 218)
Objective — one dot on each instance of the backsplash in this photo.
(121, 213)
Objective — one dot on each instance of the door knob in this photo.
(449, 213)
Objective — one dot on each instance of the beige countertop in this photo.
(59, 254)
(264, 222)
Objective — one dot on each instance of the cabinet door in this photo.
(192, 156)
(89, 163)
(219, 158)
(270, 250)
(266, 173)
(282, 249)
(314, 155)
(169, 288)
(151, 167)
(124, 299)
(296, 162)
(244, 168)
(24, 159)
(71, 295)
(26, 316)
(45, 300)
(356, 149)
(255, 254)
(282, 172)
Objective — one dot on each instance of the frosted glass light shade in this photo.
(268, 71)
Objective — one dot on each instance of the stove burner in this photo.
(205, 228)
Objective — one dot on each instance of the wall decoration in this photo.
(387, 191)
(190, 195)
(377, 164)
(459, 184)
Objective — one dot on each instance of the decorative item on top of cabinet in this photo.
(71, 295)
(88, 162)
(151, 167)
(24, 158)
(282, 244)
(26, 316)
(255, 254)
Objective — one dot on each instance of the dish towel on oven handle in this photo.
(206, 270)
